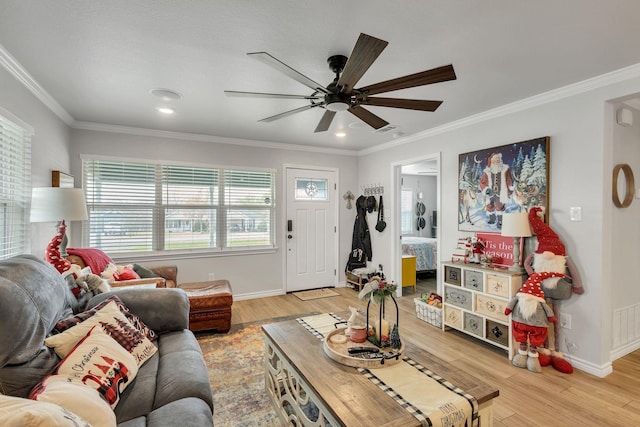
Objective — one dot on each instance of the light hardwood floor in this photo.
(526, 399)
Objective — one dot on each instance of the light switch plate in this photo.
(575, 213)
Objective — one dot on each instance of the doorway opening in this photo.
(417, 186)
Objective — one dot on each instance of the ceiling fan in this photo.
(341, 94)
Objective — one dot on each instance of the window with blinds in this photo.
(15, 188)
(139, 207)
(406, 211)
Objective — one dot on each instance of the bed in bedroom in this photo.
(424, 249)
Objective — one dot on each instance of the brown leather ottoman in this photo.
(210, 305)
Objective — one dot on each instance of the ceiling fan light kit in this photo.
(341, 94)
(337, 102)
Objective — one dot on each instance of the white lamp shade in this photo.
(516, 224)
(50, 204)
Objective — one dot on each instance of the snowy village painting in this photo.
(499, 180)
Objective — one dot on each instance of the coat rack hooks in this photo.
(372, 190)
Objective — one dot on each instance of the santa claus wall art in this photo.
(499, 180)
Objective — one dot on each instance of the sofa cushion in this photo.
(19, 412)
(77, 398)
(188, 412)
(111, 320)
(160, 381)
(67, 323)
(181, 357)
(32, 291)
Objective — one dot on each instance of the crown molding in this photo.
(573, 89)
(17, 70)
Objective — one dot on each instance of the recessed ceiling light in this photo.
(166, 110)
(341, 134)
(166, 94)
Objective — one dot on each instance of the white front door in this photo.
(310, 229)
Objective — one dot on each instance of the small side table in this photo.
(409, 271)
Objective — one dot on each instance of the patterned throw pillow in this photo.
(65, 324)
(111, 320)
(99, 362)
(19, 412)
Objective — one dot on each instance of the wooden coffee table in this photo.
(297, 372)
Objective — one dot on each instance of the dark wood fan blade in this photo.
(436, 75)
(365, 52)
(289, 113)
(236, 93)
(407, 104)
(284, 68)
(368, 117)
(325, 121)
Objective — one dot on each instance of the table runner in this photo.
(433, 400)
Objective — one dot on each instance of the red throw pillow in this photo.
(126, 274)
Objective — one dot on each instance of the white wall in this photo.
(578, 120)
(252, 275)
(50, 144)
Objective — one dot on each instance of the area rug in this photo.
(315, 294)
(235, 362)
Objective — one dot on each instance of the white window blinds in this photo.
(138, 207)
(406, 211)
(15, 188)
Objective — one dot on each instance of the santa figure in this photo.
(530, 318)
(497, 185)
(550, 257)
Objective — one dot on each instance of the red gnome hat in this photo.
(548, 240)
(532, 287)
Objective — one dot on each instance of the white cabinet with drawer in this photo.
(474, 301)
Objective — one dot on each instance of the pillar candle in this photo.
(382, 329)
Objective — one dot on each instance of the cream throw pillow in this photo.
(19, 412)
(75, 397)
(101, 363)
(111, 320)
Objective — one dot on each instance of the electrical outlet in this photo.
(565, 321)
(212, 277)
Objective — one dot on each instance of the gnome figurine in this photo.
(550, 256)
(530, 317)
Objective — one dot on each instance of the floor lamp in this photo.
(516, 225)
(49, 204)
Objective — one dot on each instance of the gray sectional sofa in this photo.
(170, 389)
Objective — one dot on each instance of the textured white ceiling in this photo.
(100, 59)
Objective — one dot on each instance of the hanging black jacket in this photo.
(361, 236)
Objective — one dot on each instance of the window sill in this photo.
(176, 255)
